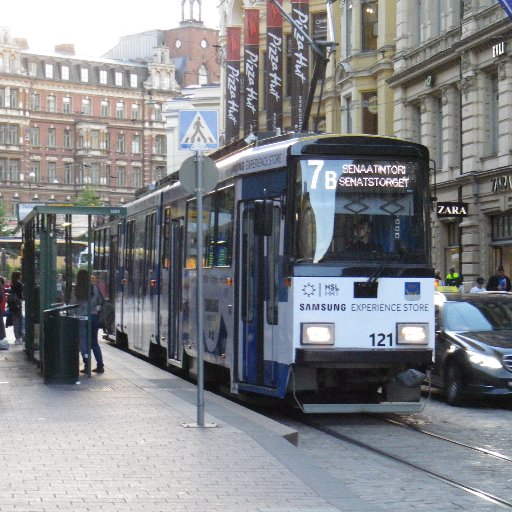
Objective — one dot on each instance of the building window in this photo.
(369, 25)
(9, 134)
(370, 112)
(160, 145)
(120, 147)
(319, 26)
(103, 77)
(84, 74)
(119, 78)
(95, 139)
(135, 111)
(107, 141)
(135, 143)
(133, 80)
(86, 106)
(32, 69)
(13, 98)
(416, 123)
(48, 70)
(68, 138)
(34, 136)
(158, 173)
(35, 169)
(95, 173)
(203, 75)
(34, 101)
(51, 104)
(14, 169)
(348, 28)
(157, 110)
(348, 114)
(105, 108)
(438, 123)
(64, 72)
(52, 138)
(68, 173)
(120, 110)
(137, 177)
(66, 105)
(52, 171)
(493, 105)
(121, 177)
(2, 97)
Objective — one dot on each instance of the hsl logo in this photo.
(412, 291)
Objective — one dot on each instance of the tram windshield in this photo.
(360, 210)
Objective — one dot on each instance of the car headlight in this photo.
(412, 334)
(484, 360)
(317, 334)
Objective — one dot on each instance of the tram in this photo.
(317, 279)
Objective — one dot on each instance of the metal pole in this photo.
(199, 301)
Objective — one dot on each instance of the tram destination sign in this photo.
(452, 209)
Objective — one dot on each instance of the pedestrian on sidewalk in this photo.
(80, 296)
(15, 305)
(4, 344)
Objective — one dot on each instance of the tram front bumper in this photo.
(373, 358)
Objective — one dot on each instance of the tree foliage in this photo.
(87, 197)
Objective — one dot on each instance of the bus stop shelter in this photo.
(41, 229)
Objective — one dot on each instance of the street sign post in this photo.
(198, 130)
(199, 174)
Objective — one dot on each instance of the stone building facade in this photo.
(452, 92)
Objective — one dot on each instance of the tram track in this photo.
(490, 496)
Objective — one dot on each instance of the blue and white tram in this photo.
(317, 276)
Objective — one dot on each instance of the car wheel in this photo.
(454, 385)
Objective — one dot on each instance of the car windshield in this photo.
(488, 315)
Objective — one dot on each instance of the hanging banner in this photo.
(507, 6)
(232, 84)
(274, 68)
(251, 69)
(300, 63)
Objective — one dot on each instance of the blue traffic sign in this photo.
(199, 129)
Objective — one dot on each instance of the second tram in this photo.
(318, 283)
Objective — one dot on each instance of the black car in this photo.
(473, 354)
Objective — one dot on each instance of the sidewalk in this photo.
(116, 442)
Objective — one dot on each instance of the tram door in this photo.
(174, 347)
(259, 270)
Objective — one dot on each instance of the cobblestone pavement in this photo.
(391, 486)
(116, 442)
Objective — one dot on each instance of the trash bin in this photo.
(61, 346)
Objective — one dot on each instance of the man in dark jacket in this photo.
(499, 281)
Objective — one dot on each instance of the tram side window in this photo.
(191, 249)
(166, 234)
(129, 253)
(208, 231)
(224, 221)
(217, 230)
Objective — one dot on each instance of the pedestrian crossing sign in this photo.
(198, 129)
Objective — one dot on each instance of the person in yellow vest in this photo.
(453, 278)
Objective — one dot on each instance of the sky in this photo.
(94, 26)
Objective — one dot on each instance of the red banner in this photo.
(274, 68)
(232, 84)
(300, 63)
(251, 69)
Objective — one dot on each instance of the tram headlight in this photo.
(412, 334)
(317, 334)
